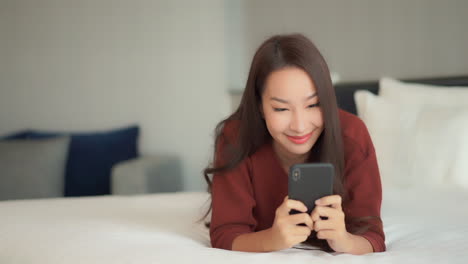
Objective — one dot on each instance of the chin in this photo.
(299, 149)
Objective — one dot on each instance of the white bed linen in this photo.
(421, 225)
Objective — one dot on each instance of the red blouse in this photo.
(245, 199)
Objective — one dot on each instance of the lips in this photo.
(301, 139)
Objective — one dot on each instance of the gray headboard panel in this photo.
(345, 91)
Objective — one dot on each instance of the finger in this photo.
(298, 239)
(297, 205)
(302, 238)
(332, 200)
(326, 234)
(301, 231)
(301, 218)
(288, 205)
(321, 211)
(324, 225)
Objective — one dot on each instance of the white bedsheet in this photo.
(422, 226)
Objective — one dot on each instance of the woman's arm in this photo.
(364, 189)
(232, 206)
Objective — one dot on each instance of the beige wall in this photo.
(360, 39)
(100, 64)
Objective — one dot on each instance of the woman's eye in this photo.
(313, 105)
(279, 109)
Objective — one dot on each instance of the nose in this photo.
(298, 122)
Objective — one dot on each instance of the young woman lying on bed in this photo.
(288, 114)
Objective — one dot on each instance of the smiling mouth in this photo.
(300, 139)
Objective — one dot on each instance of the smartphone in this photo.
(308, 182)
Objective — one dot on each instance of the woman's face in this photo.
(291, 111)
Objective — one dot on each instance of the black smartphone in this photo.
(310, 181)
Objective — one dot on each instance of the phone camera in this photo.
(296, 175)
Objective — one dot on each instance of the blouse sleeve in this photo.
(364, 190)
(233, 202)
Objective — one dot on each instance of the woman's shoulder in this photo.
(355, 133)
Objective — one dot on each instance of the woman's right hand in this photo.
(285, 230)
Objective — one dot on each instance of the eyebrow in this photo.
(286, 102)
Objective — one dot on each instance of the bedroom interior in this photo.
(108, 111)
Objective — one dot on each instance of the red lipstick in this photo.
(301, 139)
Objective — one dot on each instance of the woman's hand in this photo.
(285, 230)
(332, 229)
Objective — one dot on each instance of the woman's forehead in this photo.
(289, 83)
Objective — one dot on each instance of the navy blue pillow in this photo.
(91, 157)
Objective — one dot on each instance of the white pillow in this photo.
(416, 145)
(413, 93)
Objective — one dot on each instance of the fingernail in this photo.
(317, 201)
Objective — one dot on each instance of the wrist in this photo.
(260, 241)
(268, 243)
(350, 242)
(357, 245)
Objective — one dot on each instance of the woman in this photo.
(288, 114)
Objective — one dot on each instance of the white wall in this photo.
(360, 39)
(100, 64)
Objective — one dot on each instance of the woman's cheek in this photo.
(279, 123)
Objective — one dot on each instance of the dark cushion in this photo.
(91, 157)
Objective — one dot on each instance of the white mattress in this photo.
(421, 226)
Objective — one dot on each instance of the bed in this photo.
(421, 224)
(421, 227)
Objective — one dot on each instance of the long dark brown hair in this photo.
(276, 53)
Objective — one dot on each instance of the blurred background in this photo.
(175, 68)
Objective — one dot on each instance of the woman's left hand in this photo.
(332, 229)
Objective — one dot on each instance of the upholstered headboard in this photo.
(345, 91)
